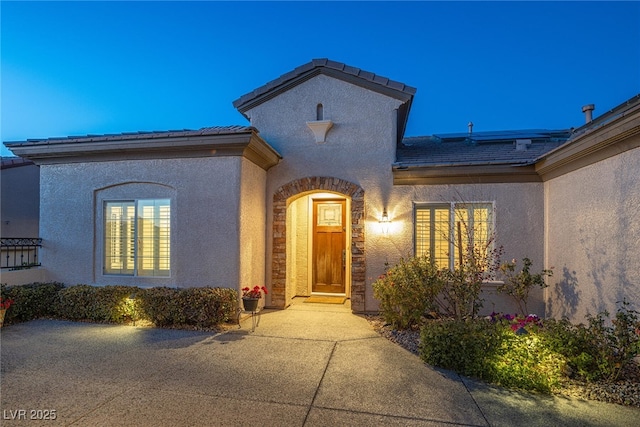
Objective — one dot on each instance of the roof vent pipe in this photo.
(470, 125)
(587, 109)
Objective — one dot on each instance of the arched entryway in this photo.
(279, 265)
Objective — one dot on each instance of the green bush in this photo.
(94, 304)
(200, 307)
(30, 301)
(493, 352)
(518, 285)
(160, 306)
(205, 307)
(408, 291)
(575, 343)
(525, 352)
(597, 351)
(460, 345)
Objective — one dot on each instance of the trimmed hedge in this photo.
(200, 307)
(94, 304)
(32, 301)
(165, 307)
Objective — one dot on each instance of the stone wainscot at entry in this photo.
(279, 265)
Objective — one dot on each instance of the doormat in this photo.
(322, 299)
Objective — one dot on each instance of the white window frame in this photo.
(452, 233)
(137, 237)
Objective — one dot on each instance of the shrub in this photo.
(597, 351)
(200, 307)
(491, 351)
(574, 342)
(460, 345)
(160, 306)
(477, 262)
(518, 285)
(92, 303)
(408, 290)
(206, 307)
(30, 301)
(526, 352)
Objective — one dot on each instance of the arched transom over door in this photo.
(279, 263)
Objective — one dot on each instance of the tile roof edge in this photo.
(317, 65)
(205, 131)
(407, 165)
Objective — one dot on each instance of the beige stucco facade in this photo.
(204, 248)
(593, 237)
(241, 199)
(360, 148)
(215, 186)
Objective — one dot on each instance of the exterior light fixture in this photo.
(384, 222)
(131, 307)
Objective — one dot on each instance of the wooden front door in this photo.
(329, 246)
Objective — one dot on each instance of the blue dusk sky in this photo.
(77, 68)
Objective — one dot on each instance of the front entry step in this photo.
(326, 299)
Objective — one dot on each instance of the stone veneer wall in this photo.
(279, 266)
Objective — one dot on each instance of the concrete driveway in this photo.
(309, 365)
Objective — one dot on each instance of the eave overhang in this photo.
(620, 134)
(463, 174)
(247, 144)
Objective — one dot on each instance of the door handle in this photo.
(344, 257)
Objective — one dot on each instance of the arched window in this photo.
(319, 112)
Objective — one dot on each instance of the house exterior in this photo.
(322, 190)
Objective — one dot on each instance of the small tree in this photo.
(518, 285)
(408, 291)
(477, 260)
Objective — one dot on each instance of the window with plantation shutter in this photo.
(137, 237)
(444, 231)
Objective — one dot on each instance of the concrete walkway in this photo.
(309, 365)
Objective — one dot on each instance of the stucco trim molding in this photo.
(620, 135)
(279, 249)
(246, 143)
(470, 174)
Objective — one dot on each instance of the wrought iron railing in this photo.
(18, 253)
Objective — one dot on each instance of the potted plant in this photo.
(4, 306)
(251, 296)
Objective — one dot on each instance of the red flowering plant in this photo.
(5, 303)
(517, 322)
(256, 292)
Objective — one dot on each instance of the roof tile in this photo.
(451, 150)
(246, 100)
(213, 130)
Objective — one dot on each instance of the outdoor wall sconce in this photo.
(384, 223)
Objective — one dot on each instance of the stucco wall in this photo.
(359, 148)
(298, 247)
(252, 225)
(23, 277)
(519, 225)
(20, 201)
(593, 230)
(204, 222)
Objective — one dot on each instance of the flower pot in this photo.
(250, 304)
(2, 312)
